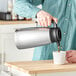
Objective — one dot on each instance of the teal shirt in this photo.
(64, 10)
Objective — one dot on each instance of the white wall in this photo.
(7, 44)
(3, 5)
(14, 54)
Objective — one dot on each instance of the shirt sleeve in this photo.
(27, 8)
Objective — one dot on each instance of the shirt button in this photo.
(64, 33)
(69, 5)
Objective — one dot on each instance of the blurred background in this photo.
(7, 13)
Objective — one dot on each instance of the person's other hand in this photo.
(44, 18)
(71, 56)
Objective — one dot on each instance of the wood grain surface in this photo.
(43, 66)
(15, 22)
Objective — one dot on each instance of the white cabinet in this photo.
(7, 44)
(19, 73)
(58, 74)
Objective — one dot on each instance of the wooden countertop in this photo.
(15, 22)
(43, 66)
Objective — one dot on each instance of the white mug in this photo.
(59, 57)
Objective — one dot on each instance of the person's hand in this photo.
(71, 56)
(44, 18)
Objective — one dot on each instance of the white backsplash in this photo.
(3, 5)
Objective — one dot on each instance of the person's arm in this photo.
(27, 8)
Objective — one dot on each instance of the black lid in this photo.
(55, 34)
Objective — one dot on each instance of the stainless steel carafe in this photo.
(37, 36)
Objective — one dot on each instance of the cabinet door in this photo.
(14, 54)
(7, 44)
(58, 74)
